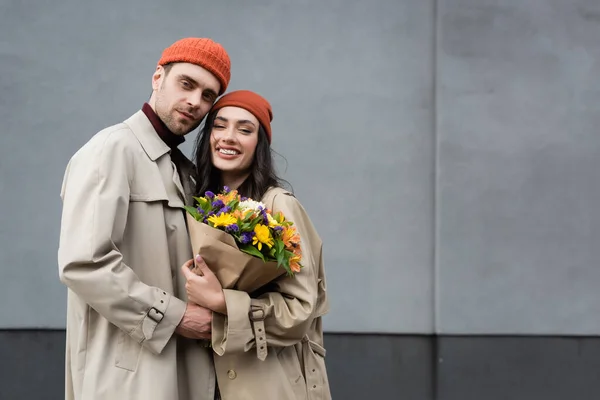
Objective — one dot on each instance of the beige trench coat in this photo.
(123, 239)
(270, 347)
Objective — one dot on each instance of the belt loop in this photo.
(257, 316)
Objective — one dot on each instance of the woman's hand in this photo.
(203, 287)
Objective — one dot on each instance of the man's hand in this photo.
(196, 322)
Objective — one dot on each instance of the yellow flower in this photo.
(262, 235)
(224, 219)
(272, 222)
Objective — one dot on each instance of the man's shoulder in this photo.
(115, 135)
(118, 137)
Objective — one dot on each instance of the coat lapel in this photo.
(155, 148)
(186, 168)
(147, 136)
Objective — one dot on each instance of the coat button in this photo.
(231, 374)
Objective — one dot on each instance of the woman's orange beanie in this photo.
(249, 101)
(203, 52)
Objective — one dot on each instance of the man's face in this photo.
(183, 95)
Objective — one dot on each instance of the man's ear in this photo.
(158, 77)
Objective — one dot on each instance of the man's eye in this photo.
(209, 97)
(186, 84)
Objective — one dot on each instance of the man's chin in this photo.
(186, 128)
(182, 129)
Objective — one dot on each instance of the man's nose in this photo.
(194, 100)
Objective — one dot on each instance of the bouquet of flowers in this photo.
(242, 241)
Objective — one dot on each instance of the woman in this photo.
(268, 345)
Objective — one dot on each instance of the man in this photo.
(123, 240)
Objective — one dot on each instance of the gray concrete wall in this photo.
(518, 160)
(466, 126)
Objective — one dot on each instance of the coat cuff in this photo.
(232, 333)
(160, 322)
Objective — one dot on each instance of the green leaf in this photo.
(201, 201)
(279, 251)
(276, 216)
(205, 202)
(193, 212)
(286, 266)
(280, 246)
(253, 223)
(198, 199)
(253, 251)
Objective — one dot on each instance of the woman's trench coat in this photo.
(270, 346)
(123, 239)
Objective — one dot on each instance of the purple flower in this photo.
(232, 228)
(243, 198)
(226, 189)
(247, 237)
(209, 194)
(225, 209)
(200, 210)
(278, 228)
(218, 204)
(263, 213)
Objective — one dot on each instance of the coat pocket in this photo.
(173, 201)
(128, 352)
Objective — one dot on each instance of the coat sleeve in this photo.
(288, 306)
(95, 196)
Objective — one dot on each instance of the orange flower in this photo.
(241, 214)
(296, 250)
(229, 196)
(295, 263)
(237, 214)
(290, 237)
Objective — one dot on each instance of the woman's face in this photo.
(233, 140)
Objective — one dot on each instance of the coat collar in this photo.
(186, 168)
(155, 148)
(145, 133)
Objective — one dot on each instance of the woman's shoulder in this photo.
(286, 202)
(278, 199)
(273, 192)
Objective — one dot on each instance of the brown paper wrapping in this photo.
(234, 268)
